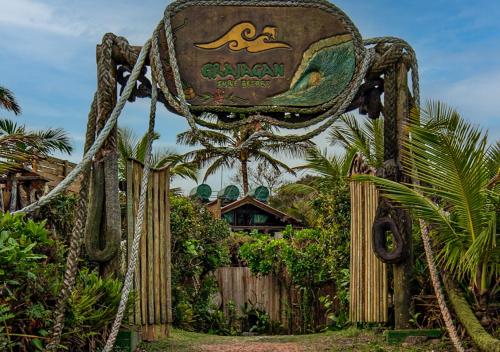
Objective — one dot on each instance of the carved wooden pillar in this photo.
(396, 103)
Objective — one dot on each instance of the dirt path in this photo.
(346, 340)
(253, 347)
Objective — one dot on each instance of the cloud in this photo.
(40, 16)
(475, 97)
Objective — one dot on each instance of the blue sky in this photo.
(47, 56)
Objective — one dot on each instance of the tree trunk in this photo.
(483, 340)
(244, 175)
(13, 194)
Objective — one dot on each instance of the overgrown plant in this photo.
(31, 267)
(199, 246)
(457, 192)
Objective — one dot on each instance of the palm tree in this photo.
(8, 101)
(19, 145)
(457, 192)
(366, 138)
(129, 147)
(226, 152)
(331, 169)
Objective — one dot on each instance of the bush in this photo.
(31, 268)
(199, 246)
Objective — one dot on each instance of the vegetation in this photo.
(19, 145)
(457, 193)
(226, 153)
(198, 246)
(130, 147)
(306, 259)
(8, 101)
(31, 267)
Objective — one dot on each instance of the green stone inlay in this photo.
(322, 75)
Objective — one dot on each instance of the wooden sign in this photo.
(263, 56)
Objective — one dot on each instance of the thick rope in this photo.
(75, 238)
(101, 138)
(127, 286)
(83, 168)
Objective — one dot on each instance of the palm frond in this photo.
(272, 162)
(219, 163)
(53, 140)
(140, 149)
(8, 101)
(190, 138)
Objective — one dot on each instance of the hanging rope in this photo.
(83, 168)
(101, 138)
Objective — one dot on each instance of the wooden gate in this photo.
(152, 285)
(368, 286)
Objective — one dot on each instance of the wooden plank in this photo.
(168, 253)
(150, 253)
(143, 256)
(130, 222)
(162, 244)
(156, 241)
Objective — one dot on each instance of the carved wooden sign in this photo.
(266, 56)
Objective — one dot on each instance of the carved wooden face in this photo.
(243, 56)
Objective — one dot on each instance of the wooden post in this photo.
(397, 114)
(106, 101)
(368, 283)
(403, 272)
(13, 193)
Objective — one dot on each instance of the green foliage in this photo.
(456, 193)
(31, 268)
(58, 215)
(131, 147)
(304, 258)
(199, 246)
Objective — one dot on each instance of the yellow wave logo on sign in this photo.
(244, 36)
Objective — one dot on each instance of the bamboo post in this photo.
(152, 309)
(368, 283)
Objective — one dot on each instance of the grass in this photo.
(351, 339)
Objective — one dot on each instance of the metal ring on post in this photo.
(379, 232)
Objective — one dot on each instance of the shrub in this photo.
(199, 246)
(31, 268)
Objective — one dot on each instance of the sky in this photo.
(47, 58)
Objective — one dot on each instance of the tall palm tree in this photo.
(227, 154)
(8, 101)
(457, 192)
(131, 147)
